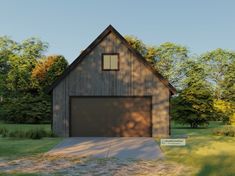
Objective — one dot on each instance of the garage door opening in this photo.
(110, 116)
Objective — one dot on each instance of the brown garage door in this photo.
(110, 116)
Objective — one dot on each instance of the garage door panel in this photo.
(110, 116)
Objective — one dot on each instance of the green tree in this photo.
(7, 49)
(226, 105)
(220, 68)
(193, 105)
(228, 91)
(27, 108)
(217, 63)
(19, 101)
(137, 44)
(168, 61)
(21, 59)
(166, 58)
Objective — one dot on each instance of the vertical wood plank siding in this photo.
(133, 79)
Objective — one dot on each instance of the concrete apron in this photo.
(143, 148)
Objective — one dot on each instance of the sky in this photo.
(69, 26)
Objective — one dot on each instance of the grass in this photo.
(25, 147)
(205, 153)
(14, 148)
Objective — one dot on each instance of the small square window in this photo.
(110, 61)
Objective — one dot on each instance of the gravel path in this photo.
(60, 165)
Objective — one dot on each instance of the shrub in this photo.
(17, 134)
(26, 109)
(225, 131)
(36, 133)
(3, 132)
(51, 134)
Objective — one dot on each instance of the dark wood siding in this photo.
(132, 79)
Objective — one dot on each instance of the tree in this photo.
(217, 63)
(47, 70)
(168, 61)
(220, 68)
(32, 48)
(21, 59)
(7, 49)
(228, 91)
(225, 107)
(166, 58)
(193, 105)
(137, 44)
(21, 102)
(26, 108)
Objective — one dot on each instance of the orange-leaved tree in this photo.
(47, 70)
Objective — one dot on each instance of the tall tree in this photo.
(220, 68)
(169, 59)
(193, 105)
(166, 58)
(225, 107)
(217, 63)
(21, 63)
(7, 49)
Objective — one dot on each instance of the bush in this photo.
(51, 134)
(225, 131)
(26, 109)
(36, 133)
(3, 132)
(17, 134)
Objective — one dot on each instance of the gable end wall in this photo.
(133, 79)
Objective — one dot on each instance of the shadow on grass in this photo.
(218, 165)
(189, 128)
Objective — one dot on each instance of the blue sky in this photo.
(69, 26)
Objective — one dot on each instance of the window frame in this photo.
(102, 62)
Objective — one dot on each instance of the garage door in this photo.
(110, 116)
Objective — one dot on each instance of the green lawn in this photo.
(205, 153)
(13, 148)
(25, 147)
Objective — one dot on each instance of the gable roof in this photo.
(84, 53)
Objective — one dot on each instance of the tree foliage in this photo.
(7, 50)
(205, 84)
(167, 58)
(20, 100)
(193, 105)
(47, 70)
(17, 62)
(220, 66)
(26, 108)
(217, 63)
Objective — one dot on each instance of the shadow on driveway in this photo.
(109, 147)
